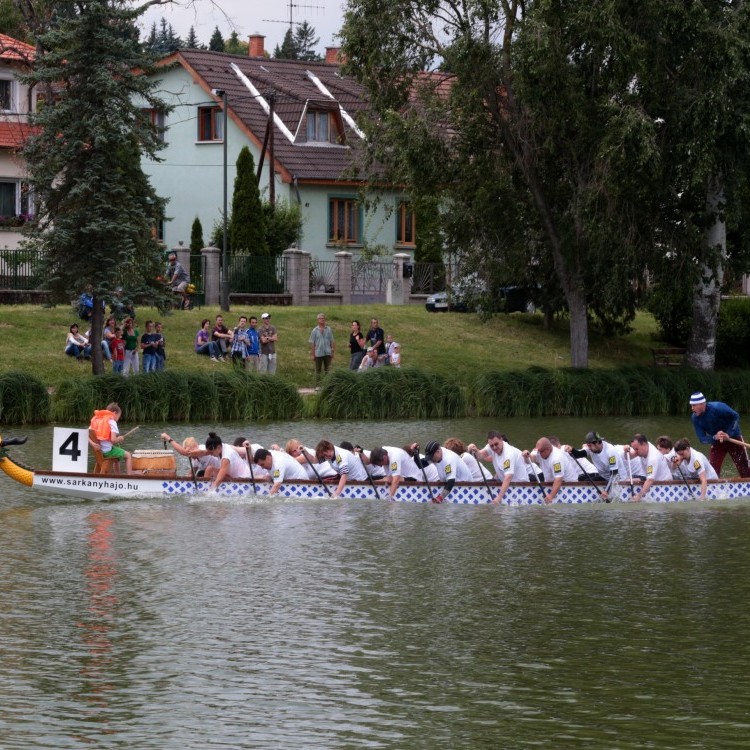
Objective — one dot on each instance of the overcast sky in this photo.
(250, 17)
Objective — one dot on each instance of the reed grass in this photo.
(390, 393)
(163, 397)
(23, 399)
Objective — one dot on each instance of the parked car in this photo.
(439, 302)
(509, 299)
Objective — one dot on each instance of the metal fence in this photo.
(428, 278)
(21, 269)
(324, 276)
(370, 277)
(257, 274)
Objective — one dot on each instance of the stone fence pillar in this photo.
(345, 276)
(212, 270)
(399, 287)
(298, 275)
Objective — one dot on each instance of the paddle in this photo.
(369, 476)
(249, 459)
(684, 479)
(589, 477)
(737, 442)
(484, 478)
(424, 473)
(630, 476)
(539, 483)
(312, 466)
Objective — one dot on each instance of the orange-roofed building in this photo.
(17, 100)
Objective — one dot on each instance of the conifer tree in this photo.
(247, 231)
(216, 43)
(196, 236)
(192, 39)
(235, 46)
(305, 42)
(95, 207)
(288, 49)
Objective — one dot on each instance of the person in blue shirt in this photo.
(714, 422)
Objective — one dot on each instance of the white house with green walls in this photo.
(308, 154)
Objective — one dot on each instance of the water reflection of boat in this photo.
(97, 486)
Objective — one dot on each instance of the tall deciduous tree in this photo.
(95, 208)
(234, 45)
(546, 114)
(247, 231)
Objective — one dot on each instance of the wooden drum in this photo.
(154, 462)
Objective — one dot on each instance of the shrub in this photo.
(23, 399)
(733, 333)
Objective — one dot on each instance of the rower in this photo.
(605, 458)
(344, 463)
(398, 463)
(655, 466)
(693, 465)
(450, 468)
(506, 459)
(280, 466)
(554, 467)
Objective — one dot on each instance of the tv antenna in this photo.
(292, 5)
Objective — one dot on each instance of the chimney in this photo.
(334, 56)
(255, 48)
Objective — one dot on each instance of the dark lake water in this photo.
(160, 623)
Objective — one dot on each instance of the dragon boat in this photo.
(168, 483)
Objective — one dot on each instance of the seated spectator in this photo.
(371, 359)
(85, 307)
(121, 307)
(77, 345)
(204, 344)
(394, 357)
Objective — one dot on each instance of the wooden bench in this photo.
(669, 356)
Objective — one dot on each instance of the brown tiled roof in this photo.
(13, 134)
(12, 49)
(293, 89)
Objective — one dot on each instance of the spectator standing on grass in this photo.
(239, 342)
(107, 335)
(161, 350)
(268, 339)
(117, 348)
(131, 335)
(149, 342)
(252, 352)
(322, 346)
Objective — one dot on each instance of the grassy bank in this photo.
(455, 365)
(456, 345)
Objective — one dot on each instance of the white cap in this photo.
(265, 315)
(697, 398)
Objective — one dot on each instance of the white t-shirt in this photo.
(285, 468)
(401, 464)
(509, 461)
(238, 467)
(697, 464)
(478, 472)
(452, 467)
(107, 444)
(610, 459)
(656, 466)
(345, 462)
(555, 466)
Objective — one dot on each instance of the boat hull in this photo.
(100, 486)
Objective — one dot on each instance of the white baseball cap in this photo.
(265, 315)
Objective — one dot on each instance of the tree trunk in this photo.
(579, 327)
(701, 347)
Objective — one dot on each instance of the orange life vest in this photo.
(100, 424)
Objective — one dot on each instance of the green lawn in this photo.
(32, 340)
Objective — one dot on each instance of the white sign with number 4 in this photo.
(70, 450)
